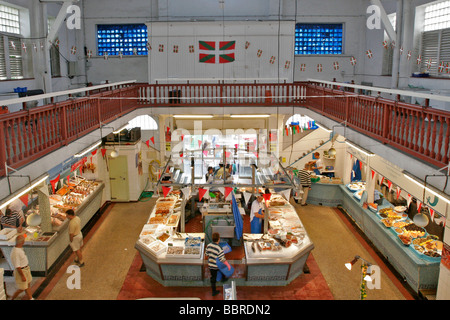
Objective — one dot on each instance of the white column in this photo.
(41, 58)
(396, 58)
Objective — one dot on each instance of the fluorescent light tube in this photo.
(249, 115)
(191, 116)
(323, 128)
(3, 205)
(426, 188)
(120, 129)
(360, 150)
(79, 155)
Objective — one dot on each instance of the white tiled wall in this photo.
(443, 290)
(2, 287)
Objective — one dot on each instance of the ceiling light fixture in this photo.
(121, 128)
(249, 115)
(94, 146)
(191, 116)
(33, 185)
(367, 153)
(426, 188)
(323, 127)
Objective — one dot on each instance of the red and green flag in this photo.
(216, 51)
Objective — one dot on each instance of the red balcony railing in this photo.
(421, 132)
(29, 135)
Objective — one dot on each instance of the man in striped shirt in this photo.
(12, 219)
(214, 251)
(305, 181)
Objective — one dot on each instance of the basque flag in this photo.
(216, 51)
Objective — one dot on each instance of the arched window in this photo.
(299, 119)
(145, 122)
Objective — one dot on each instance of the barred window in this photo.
(435, 44)
(315, 38)
(129, 39)
(437, 16)
(9, 19)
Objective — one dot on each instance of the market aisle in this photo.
(113, 267)
(108, 253)
(336, 243)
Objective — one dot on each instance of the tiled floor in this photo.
(114, 268)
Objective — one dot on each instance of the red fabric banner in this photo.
(201, 193)
(54, 182)
(166, 190)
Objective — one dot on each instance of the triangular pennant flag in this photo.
(199, 143)
(166, 190)
(227, 192)
(153, 139)
(212, 195)
(390, 185)
(440, 220)
(286, 194)
(247, 196)
(103, 152)
(222, 190)
(54, 182)
(398, 192)
(94, 152)
(266, 196)
(201, 193)
(186, 192)
(147, 143)
(24, 199)
(373, 174)
(419, 206)
(408, 199)
(431, 213)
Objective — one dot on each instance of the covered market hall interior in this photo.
(162, 123)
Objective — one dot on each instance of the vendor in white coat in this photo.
(256, 215)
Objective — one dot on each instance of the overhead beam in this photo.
(386, 22)
(59, 18)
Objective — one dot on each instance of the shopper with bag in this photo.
(216, 255)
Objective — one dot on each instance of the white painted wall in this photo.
(273, 38)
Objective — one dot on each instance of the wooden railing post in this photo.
(63, 121)
(323, 99)
(386, 122)
(2, 145)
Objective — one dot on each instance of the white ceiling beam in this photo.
(386, 22)
(59, 19)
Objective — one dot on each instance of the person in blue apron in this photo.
(256, 215)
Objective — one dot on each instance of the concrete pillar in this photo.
(396, 58)
(407, 42)
(41, 58)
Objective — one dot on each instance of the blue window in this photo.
(125, 38)
(315, 38)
